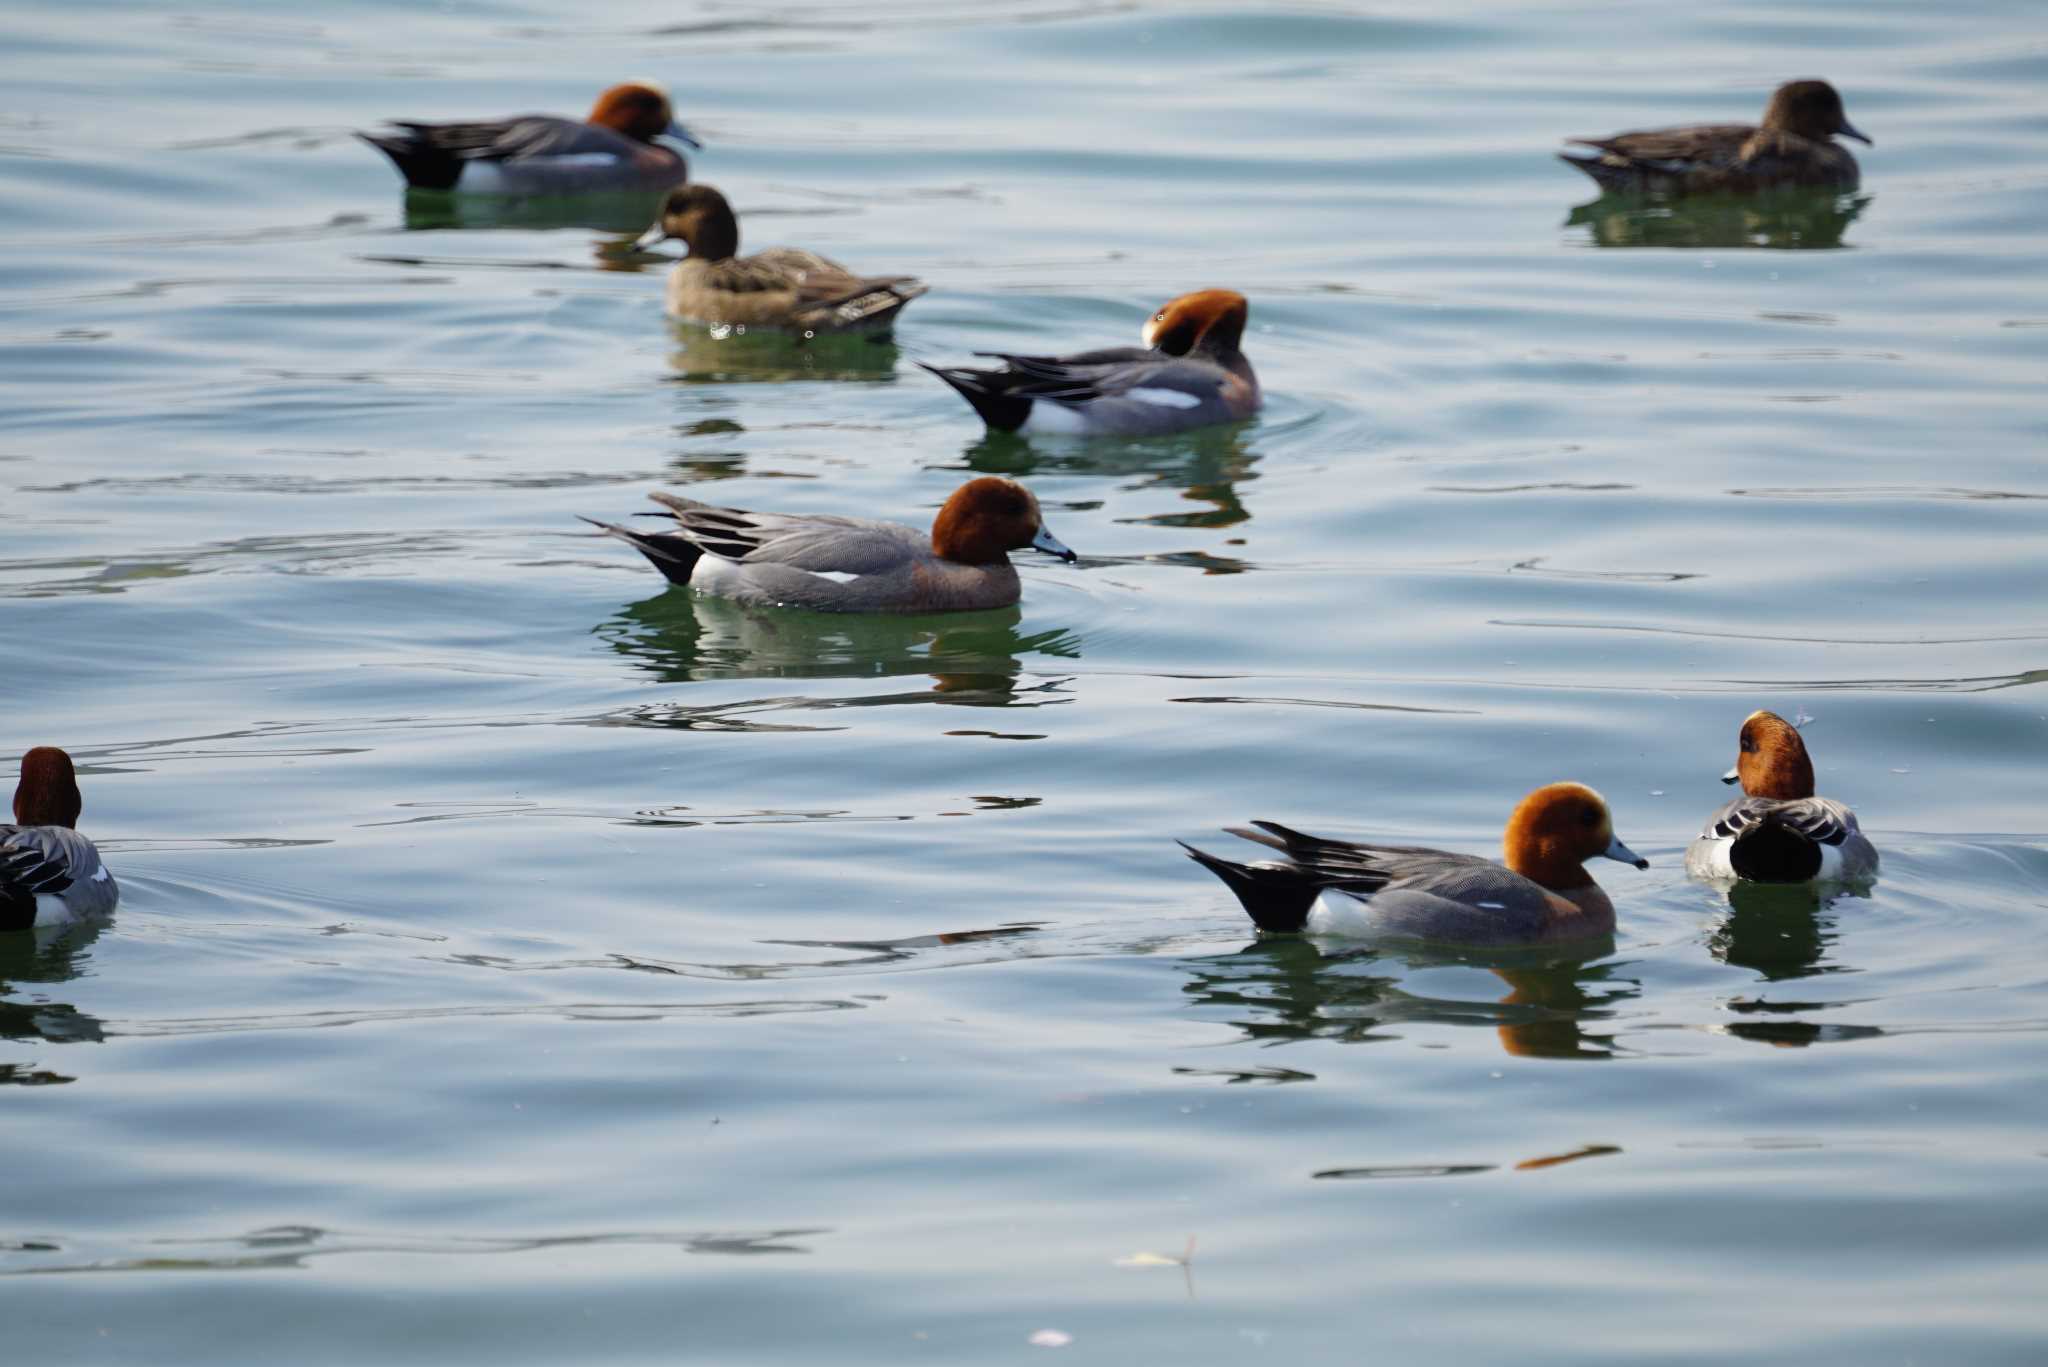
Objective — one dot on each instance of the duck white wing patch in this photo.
(1164, 398)
(836, 576)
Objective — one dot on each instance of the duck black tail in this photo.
(1276, 898)
(670, 552)
(424, 166)
(985, 389)
(1771, 851)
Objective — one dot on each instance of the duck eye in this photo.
(1159, 317)
(1749, 745)
(1588, 816)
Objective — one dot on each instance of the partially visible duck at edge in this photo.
(544, 154)
(1778, 831)
(1793, 146)
(783, 287)
(1345, 888)
(50, 875)
(1190, 373)
(851, 564)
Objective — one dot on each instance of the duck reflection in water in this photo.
(1788, 220)
(1206, 466)
(619, 215)
(1783, 932)
(973, 659)
(703, 356)
(29, 962)
(1297, 989)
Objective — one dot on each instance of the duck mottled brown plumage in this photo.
(1793, 146)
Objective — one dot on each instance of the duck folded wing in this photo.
(821, 281)
(1056, 365)
(820, 544)
(1821, 820)
(1675, 149)
(524, 138)
(1358, 867)
(32, 861)
(1153, 381)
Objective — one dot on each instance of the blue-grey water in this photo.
(522, 963)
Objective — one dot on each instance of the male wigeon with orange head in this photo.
(1793, 146)
(1190, 373)
(1778, 831)
(1344, 888)
(614, 150)
(852, 564)
(50, 875)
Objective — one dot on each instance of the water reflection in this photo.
(1206, 465)
(1296, 989)
(625, 212)
(295, 1246)
(1783, 932)
(1777, 929)
(1785, 219)
(971, 659)
(32, 959)
(701, 355)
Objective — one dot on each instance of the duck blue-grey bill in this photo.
(1732, 776)
(1050, 544)
(1616, 850)
(1849, 130)
(683, 136)
(650, 239)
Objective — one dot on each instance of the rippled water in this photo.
(520, 962)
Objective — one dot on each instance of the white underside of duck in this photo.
(480, 177)
(1341, 914)
(1047, 418)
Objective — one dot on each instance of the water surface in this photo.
(522, 962)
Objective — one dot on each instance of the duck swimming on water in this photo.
(1348, 888)
(1793, 146)
(784, 287)
(614, 150)
(1190, 373)
(1778, 831)
(50, 875)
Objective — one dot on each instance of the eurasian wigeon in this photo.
(783, 288)
(1339, 887)
(1778, 831)
(50, 875)
(1793, 146)
(851, 564)
(544, 154)
(1190, 373)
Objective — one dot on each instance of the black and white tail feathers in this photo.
(1277, 897)
(674, 554)
(989, 392)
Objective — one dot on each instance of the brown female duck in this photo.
(1793, 146)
